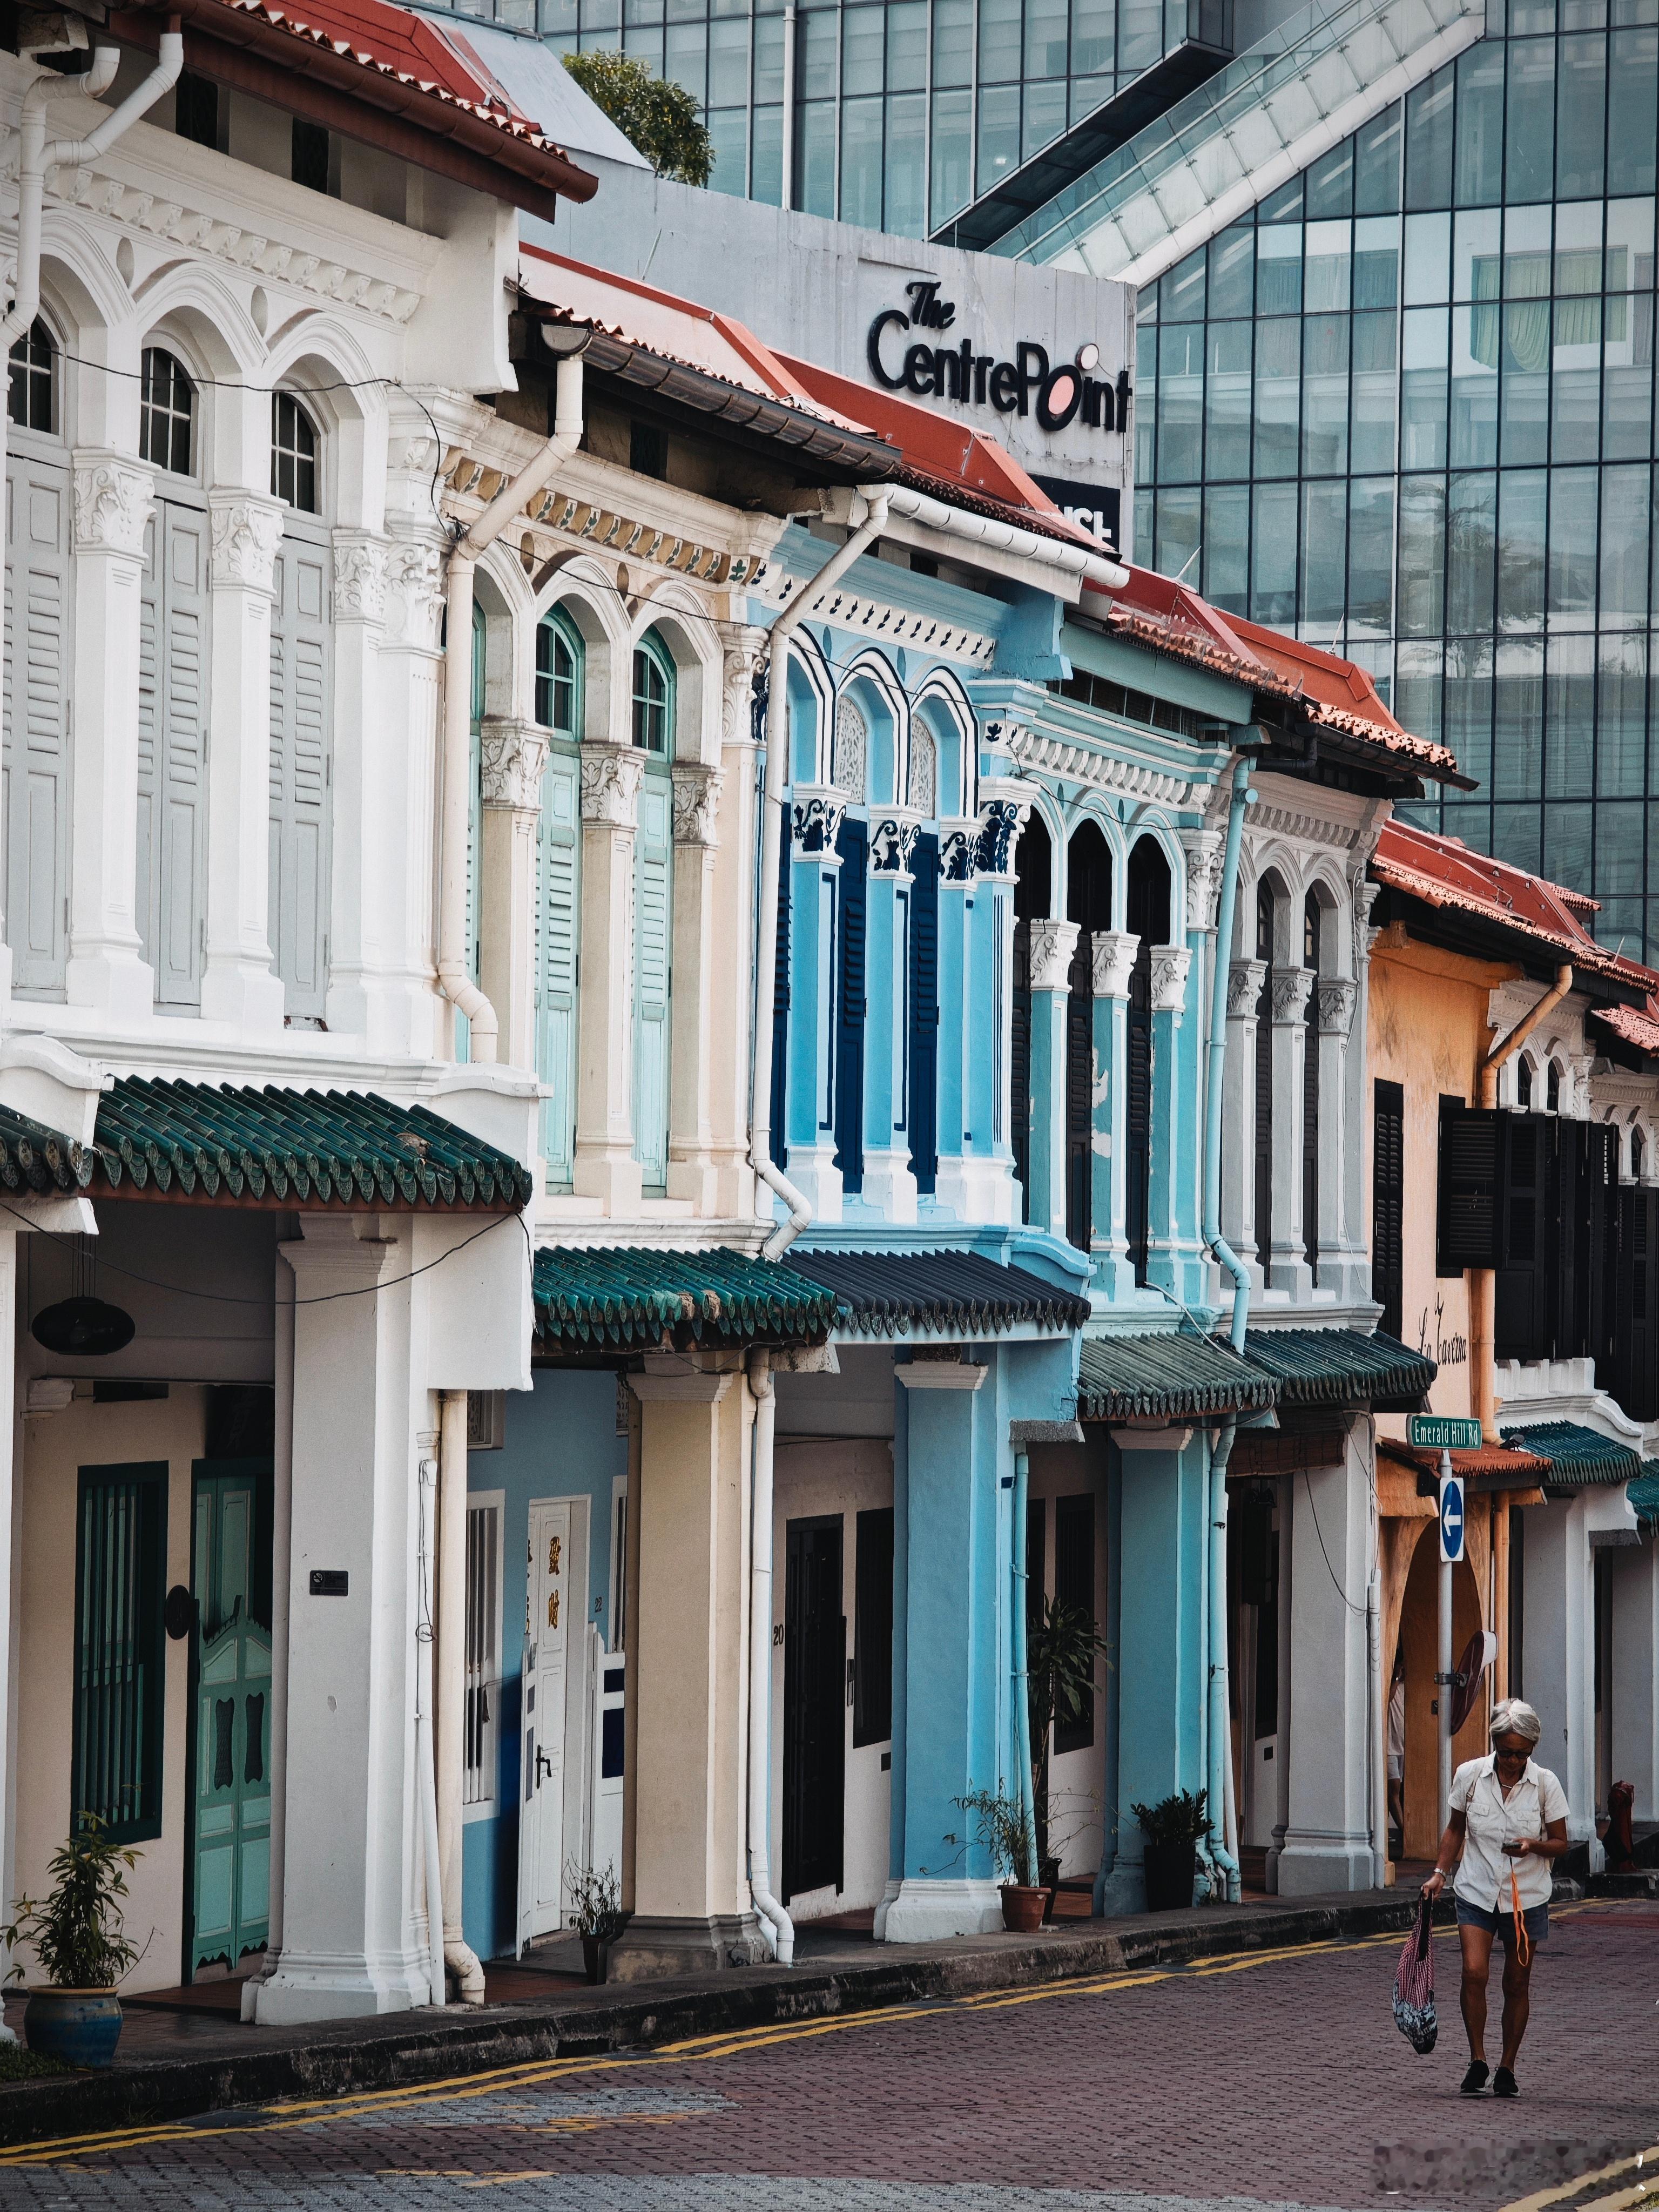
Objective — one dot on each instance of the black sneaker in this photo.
(1503, 2083)
(1475, 2080)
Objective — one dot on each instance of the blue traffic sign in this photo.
(1451, 1518)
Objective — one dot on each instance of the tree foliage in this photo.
(658, 119)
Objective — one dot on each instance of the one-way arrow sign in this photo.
(1451, 1518)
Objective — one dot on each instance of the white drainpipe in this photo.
(453, 979)
(779, 1928)
(460, 1960)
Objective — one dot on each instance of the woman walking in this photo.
(1508, 1817)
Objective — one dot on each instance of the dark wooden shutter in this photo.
(1521, 1311)
(1074, 1584)
(780, 1013)
(924, 1016)
(120, 1563)
(1388, 1202)
(1079, 1089)
(1467, 1209)
(872, 1627)
(851, 888)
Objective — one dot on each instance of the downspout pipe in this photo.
(1219, 1778)
(461, 1964)
(779, 1928)
(766, 927)
(1481, 1287)
(1021, 1672)
(454, 979)
(425, 1756)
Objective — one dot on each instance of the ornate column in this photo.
(1053, 944)
(1286, 1267)
(1112, 959)
(1356, 1225)
(359, 888)
(1343, 1268)
(957, 836)
(1244, 981)
(1196, 1280)
(890, 1186)
(698, 982)
(1173, 1115)
(806, 1113)
(113, 502)
(731, 1006)
(512, 756)
(988, 1168)
(606, 1168)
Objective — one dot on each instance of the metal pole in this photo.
(1443, 1678)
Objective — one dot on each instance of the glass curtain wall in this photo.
(1406, 409)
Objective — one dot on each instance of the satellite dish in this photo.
(83, 1328)
(1477, 1655)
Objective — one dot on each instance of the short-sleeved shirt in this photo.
(1483, 1874)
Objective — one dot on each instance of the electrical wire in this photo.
(1363, 1610)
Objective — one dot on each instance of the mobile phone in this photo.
(1512, 1850)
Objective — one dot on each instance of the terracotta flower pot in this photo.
(82, 2027)
(1022, 1908)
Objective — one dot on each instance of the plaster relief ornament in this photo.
(1053, 944)
(697, 805)
(742, 685)
(359, 579)
(852, 748)
(113, 506)
(1112, 959)
(246, 533)
(1203, 878)
(816, 824)
(1245, 981)
(998, 826)
(511, 756)
(1169, 967)
(892, 847)
(1365, 895)
(414, 601)
(1291, 989)
(611, 776)
(1333, 1000)
(921, 788)
(957, 844)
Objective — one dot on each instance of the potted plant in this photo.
(1174, 1828)
(1063, 1651)
(1004, 1827)
(75, 1933)
(596, 1914)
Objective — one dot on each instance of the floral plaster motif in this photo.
(998, 826)
(113, 506)
(359, 579)
(1170, 966)
(1053, 944)
(892, 845)
(246, 533)
(1334, 999)
(958, 845)
(1112, 959)
(816, 824)
(611, 776)
(1244, 981)
(1290, 992)
(697, 805)
(512, 757)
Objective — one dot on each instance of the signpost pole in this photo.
(1443, 1678)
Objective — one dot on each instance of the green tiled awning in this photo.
(1339, 1367)
(275, 1147)
(640, 1299)
(33, 1158)
(1643, 1495)
(963, 1293)
(1578, 1456)
(1166, 1378)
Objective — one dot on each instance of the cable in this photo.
(1363, 1610)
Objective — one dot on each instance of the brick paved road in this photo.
(1234, 2084)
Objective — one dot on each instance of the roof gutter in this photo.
(991, 535)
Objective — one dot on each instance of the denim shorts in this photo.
(1502, 1924)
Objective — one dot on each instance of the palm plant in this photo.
(1063, 1650)
(76, 1929)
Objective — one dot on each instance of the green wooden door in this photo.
(231, 1581)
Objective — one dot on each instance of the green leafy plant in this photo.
(1004, 1827)
(1182, 1819)
(658, 119)
(1063, 1650)
(75, 1928)
(595, 1902)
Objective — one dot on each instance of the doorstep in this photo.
(179, 2059)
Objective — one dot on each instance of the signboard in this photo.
(1093, 507)
(1451, 1519)
(1442, 1432)
(1058, 392)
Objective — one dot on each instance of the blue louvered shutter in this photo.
(923, 1090)
(781, 1012)
(173, 692)
(557, 937)
(653, 908)
(38, 600)
(852, 891)
(300, 775)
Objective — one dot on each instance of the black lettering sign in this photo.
(330, 1582)
(1059, 393)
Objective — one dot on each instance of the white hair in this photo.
(1515, 1716)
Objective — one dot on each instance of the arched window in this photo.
(1313, 925)
(166, 414)
(1552, 1088)
(558, 676)
(1265, 920)
(851, 770)
(293, 453)
(654, 697)
(1523, 1083)
(1148, 918)
(32, 398)
(1033, 870)
(1088, 903)
(921, 787)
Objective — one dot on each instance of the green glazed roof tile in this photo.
(1577, 1455)
(1161, 1377)
(36, 1158)
(1643, 1495)
(641, 1298)
(298, 1147)
(1335, 1366)
(888, 1293)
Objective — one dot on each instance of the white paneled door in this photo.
(554, 1592)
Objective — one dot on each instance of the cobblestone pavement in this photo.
(1258, 2080)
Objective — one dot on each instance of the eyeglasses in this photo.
(1503, 1751)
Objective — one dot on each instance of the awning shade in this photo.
(640, 1299)
(1339, 1366)
(33, 1158)
(1166, 1376)
(1643, 1495)
(961, 1293)
(1578, 1457)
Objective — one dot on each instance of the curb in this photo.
(399, 2049)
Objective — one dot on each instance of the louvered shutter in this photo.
(653, 922)
(1520, 1315)
(173, 686)
(300, 748)
(557, 935)
(38, 599)
(923, 1090)
(1469, 1222)
(852, 893)
(1388, 1202)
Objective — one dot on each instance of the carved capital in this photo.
(1290, 987)
(1112, 959)
(1364, 899)
(1203, 876)
(512, 757)
(999, 824)
(1245, 981)
(696, 804)
(245, 533)
(957, 842)
(1170, 965)
(892, 841)
(1053, 944)
(743, 694)
(611, 776)
(815, 819)
(413, 595)
(1334, 998)
(359, 577)
(113, 502)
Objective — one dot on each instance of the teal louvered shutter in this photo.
(120, 1561)
(300, 772)
(172, 689)
(36, 724)
(557, 937)
(653, 923)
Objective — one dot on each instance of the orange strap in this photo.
(1522, 1941)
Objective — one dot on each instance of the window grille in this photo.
(31, 400)
(293, 453)
(923, 793)
(166, 414)
(852, 741)
(119, 1648)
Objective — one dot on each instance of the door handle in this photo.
(543, 1766)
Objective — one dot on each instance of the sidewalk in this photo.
(195, 2057)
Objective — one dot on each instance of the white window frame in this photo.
(485, 1805)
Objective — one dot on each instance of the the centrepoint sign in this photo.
(1058, 393)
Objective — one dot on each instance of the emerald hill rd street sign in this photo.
(1442, 1432)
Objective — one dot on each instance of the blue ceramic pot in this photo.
(82, 2027)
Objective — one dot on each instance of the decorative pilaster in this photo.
(114, 503)
(606, 1168)
(691, 1167)
(1112, 959)
(362, 874)
(513, 755)
(890, 1183)
(1053, 945)
(730, 1013)
(1286, 1268)
(808, 1115)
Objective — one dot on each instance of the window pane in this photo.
(1429, 143)
(1631, 111)
(1377, 163)
(1325, 395)
(1370, 558)
(1422, 555)
(1581, 103)
(1277, 381)
(1232, 272)
(1372, 435)
(860, 162)
(1227, 548)
(1480, 124)
(1227, 399)
(1621, 700)
(1572, 546)
(1471, 548)
(1272, 582)
(1530, 167)
(1521, 549)
(1570, 704)
(1625, 524)
(1517, 747)
(1324, 533)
